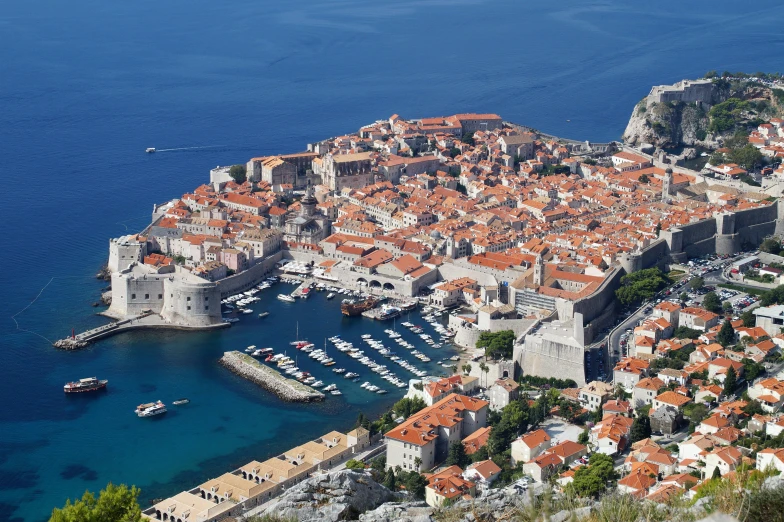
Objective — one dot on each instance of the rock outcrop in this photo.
(670, 124)
(342, 495)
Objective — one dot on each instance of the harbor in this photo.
(269, 379)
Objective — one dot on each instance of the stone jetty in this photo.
(270, 379)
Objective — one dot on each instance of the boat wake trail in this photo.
(31, 303)
(13, 317)
(189, 148)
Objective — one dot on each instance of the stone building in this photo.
(339, 171)
(309, 226)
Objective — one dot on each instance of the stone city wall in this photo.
(249, 278)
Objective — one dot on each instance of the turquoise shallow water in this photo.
(86, 86)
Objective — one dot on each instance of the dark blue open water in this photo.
(86, 85)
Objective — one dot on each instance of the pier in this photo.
(143, 321)
(268, 378)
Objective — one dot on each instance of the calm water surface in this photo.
(86, 86)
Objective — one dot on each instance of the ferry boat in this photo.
(149, 150)
(262, 315)
(85, 385)
(182, 401)
(150, 409)
(353, 308)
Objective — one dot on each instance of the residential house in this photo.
(726, 459)
(483, 474)
(611, 435)
(593, 395)
(697, 319)
(628, 372)
(425, 437)
(448, 484)
(770, 393)
(645, 391)
(529, 446)
(502, 392)
(771, 458)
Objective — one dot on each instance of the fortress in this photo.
(686, 91)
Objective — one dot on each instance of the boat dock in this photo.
(268, 378)
(140, 322)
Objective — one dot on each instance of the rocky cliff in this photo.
(352, 495)
(675, 123)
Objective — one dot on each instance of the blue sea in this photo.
(87, 85)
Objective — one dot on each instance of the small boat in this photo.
(85, 385)
(286, 297)
(149, 150)
(330, 295)
(182, 401)
(262, 315)
(150, 409)
(336, 392)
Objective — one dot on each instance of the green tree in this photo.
(644, 179)
(726, 307)
(414, 483)
(114, 504)
(484, 369)
(641, 285)
(238, 173)
(592, 480)
(468, 138)
(569, 410)
(582, 438)
(355, 465)
(748, 156)
(390, 482)
(406, 407)
(466, 369)
(716, 473)
(684, 297)
(771, 245)
(730, 381)
(696, 412)
(726, 335)
(501, 437)
(641, 428)
(748, 318)
(457, 455)
(658, 228)
(497, 345)
(711, 302)
(751, 369)
(696, 283)
(684, 332)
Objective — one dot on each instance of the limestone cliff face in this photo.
(666, 124)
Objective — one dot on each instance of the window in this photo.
(146, 296)
(189, 307)
(206, 308)
(133, 296)
(160, 296)
(188, 298)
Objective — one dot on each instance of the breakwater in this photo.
(271, 380)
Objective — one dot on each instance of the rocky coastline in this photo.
(271, 380)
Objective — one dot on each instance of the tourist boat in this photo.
(353, 308)
(149, 150)
(262, 315)
(182, 401)
(330, 295)
(150, 409)
(87, 384)
(286, 297)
